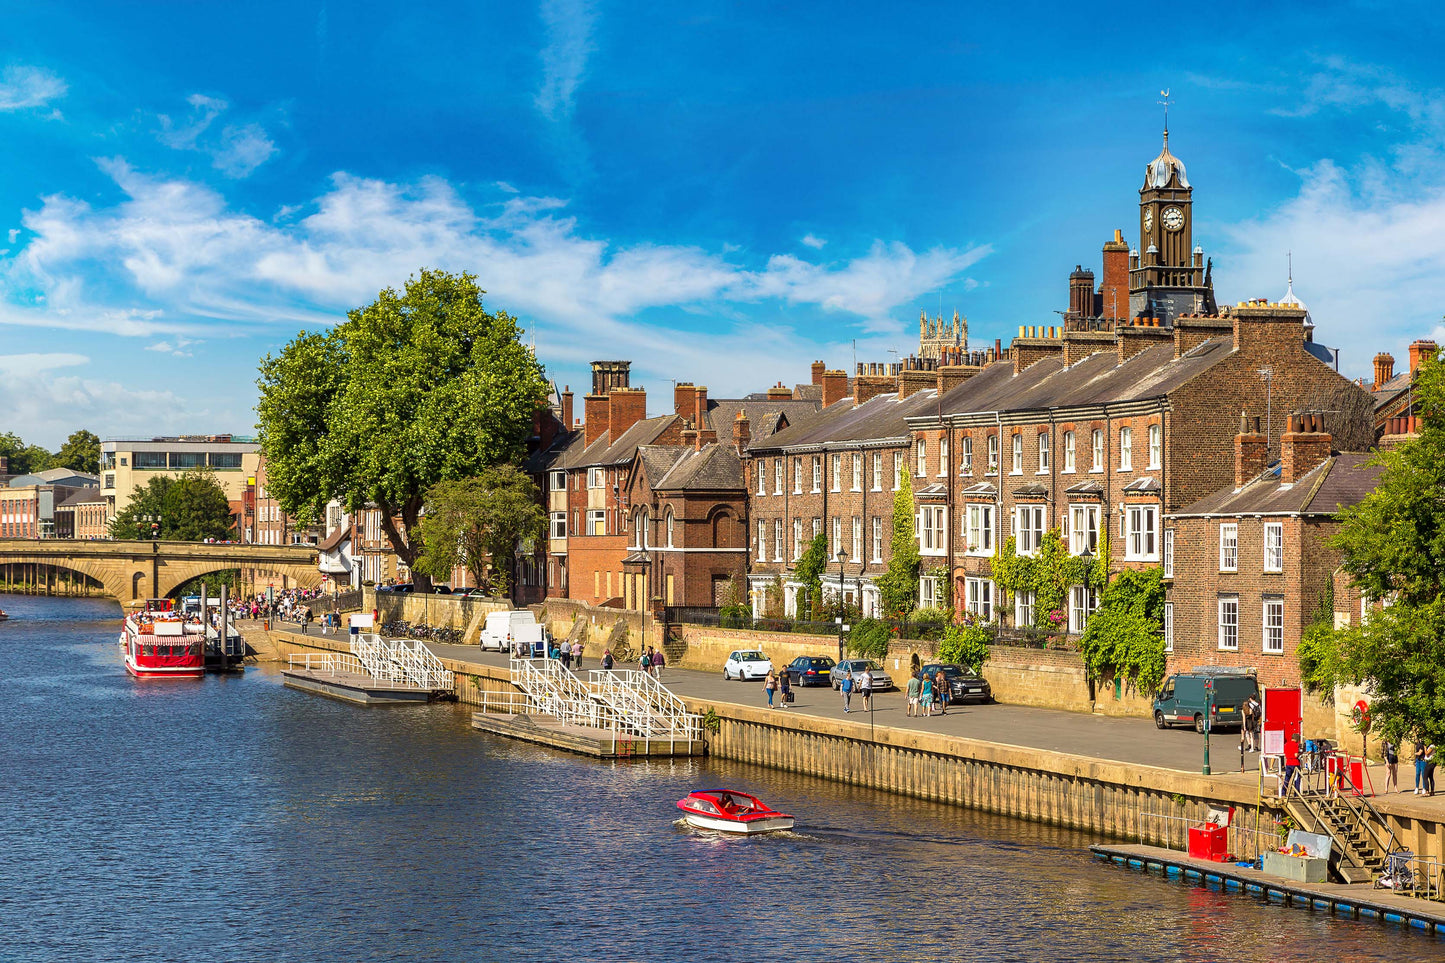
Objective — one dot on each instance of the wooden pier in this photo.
(1350, 900)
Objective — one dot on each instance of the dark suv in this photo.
(809, 670)
(964, 685)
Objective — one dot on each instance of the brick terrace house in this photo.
(84, 515)
(1248, 567)
(1092, 427)
(1393, 395)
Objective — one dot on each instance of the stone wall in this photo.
(451, 611)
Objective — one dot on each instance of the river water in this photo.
(233, 819)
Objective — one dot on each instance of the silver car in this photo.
(855, 667)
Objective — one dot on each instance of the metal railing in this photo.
(555, 691)
(396, 660)
(622, 702)
(647, 701)
(332, 664)
(1245, 842)
(375, 655)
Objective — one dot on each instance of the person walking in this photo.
(867, 688)
(785, 687)
(1419, 765)
(1249, 732)
(846, 687)
(1291, 764)
(926, 695)
(646, 662)
(659, 662)
(566, 651)
(577, 654)
(915, 686)
(1430, 769)
(1392, 760)
(770, 685)
(607, 660)
(940, 692)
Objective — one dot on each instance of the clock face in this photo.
(1148, 219)
(1173, 218)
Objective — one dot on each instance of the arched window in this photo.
(670, 529)
(642, 525)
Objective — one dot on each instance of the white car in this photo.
(747, 664)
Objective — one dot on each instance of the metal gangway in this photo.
(648, 705)
(398, 661)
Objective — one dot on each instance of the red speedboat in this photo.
(730, 811)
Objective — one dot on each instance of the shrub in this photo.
(869, 638)
(966, 645)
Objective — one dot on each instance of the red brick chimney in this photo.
(1251, 451)
(699, 406)
(567, 408)
(1421, 351)
(950, 376)
(1385, 368)
(835, 386)
(742, 432)
(594, 413)
(705, 436)
(626, 407)
(682, 404)
(871, 386)
(779, 393)
(1302, 447)
(1114, 291)
(818, 369)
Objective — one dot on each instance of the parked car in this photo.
(964, 685)
(747, 664)
(407, 587)
(855, 667)
(476, 593)
(501, 629)
(441, 590)
(809, 670)
(1184, 698)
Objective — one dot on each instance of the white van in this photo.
(501, 628)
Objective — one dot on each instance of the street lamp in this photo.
(842, 557)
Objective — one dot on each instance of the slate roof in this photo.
(880, 418)
(762, 414)
(1391, 390)
(85, 496)
(715, 468)
(644, 432)
(1342, 480)
(548, 458)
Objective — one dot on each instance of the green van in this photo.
(1183, 698)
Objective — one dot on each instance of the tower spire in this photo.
(1165, 102)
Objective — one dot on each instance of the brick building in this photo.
(1393, 394)
(83, 515)
(30, 505)
(1248, 567)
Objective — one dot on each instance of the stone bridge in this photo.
(152, 569)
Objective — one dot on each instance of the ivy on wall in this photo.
(1125, 635)
(1049, 573)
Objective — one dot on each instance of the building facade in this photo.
(128, 464)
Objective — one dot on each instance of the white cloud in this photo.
(813, 241)
(23, 88)
(177, 347)
(564, 60)
(236, 150)
(243, 148)
(13, 233)
(50, 404)
(18, 364)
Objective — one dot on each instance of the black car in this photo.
(964, 685)
(809, 670)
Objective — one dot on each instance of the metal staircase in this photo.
(1325, 803)
(400, 663)
(625, 702)
(648, 706)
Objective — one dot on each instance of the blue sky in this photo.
(721, 192)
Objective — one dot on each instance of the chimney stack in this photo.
(1113, 295)
(705, 436)
(779, 393)
(625, 408)
(835, 386)
(742, 433)
(818, 369)
(1421, 351)
(699, 407)
(1251, 451)
(567, 408)
(1303, 446)
(1385, 367)
(594, 413)
(682, 403)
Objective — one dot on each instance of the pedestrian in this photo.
(1392, 760)
(1248, 732)
(566, 653)
(1291, 764)
(646, 662)
(915, 686)
(940, 692)
(659, 662)
(866, 688)
(577, 654)
(770, 685)
(606, 660)
(785, 686)
(1430, 769)
(926, 695)
(1419, 765)
(846, 687)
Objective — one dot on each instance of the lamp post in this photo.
(842, 557)
(1208, 719)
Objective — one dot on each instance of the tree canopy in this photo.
(477, 521)
(81, 452)
(1394, 551)
(416, 388)
(190, 508)
(1126, 634)
(23, 459)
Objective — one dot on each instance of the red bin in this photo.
(1209, 842)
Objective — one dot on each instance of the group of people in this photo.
(927, 694)
(778, 684)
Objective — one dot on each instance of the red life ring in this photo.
(1360, 715)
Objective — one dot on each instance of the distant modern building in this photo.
(126, 464)
(28, 503)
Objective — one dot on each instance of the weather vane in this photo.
(1165, 103)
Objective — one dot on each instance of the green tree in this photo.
(810, 570)
(476, 521)
(1125, 635)
(898, 587)
(966, 645)
(23, 459)
(416, 388)
(190, 508)
(81, 452)
(1394, 549)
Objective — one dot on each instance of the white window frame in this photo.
(921, 467)
(1083, 603)
(1228, 609)
(817, 473)
(877, 538)
(797, 539)
(1156, 446)
(837, 535)
(1028, 529)
(1083, 519)
(942, 457)
(1024, 604)
(1043, 453)
(979, 595)
(1141, 542)
(797, 476)
(1168, 553)
(1069, 453)
(928, 593)
(966, 466)
(558, 524)
(761, 467)
(780, 475)
(979, 528)
(1126, 448)
(1274, 546)
(932, 529)
(1096, 448)
(1168, 626)
(763, 540)
(857, 471)
(779, 545)
(992, 465)
(1017, 454)
(1229, 546)
(878, 471)
(596, 519)
(1272, 620)
(557, 481)
(835, 462)
(596, 478)
(670, 524)
(897, 470)
(857, 538)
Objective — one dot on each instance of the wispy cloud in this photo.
(813, 241)
(569, 26)
(39, 393)
(27, 88)
(236, 150)
(176, 347)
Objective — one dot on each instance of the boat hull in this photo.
(768, 824)
(193, 667)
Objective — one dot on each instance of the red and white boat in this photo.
(730, 811)
(158, 643)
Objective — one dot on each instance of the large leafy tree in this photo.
(898, 587)
(1125, 635)
(420, 386)
(22, 458)
(1394, 550)
(477, 521)
(81, 452)
(190, 508)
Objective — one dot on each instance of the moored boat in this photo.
(158, 643)
(730, 811)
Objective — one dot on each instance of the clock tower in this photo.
(1167, 273)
